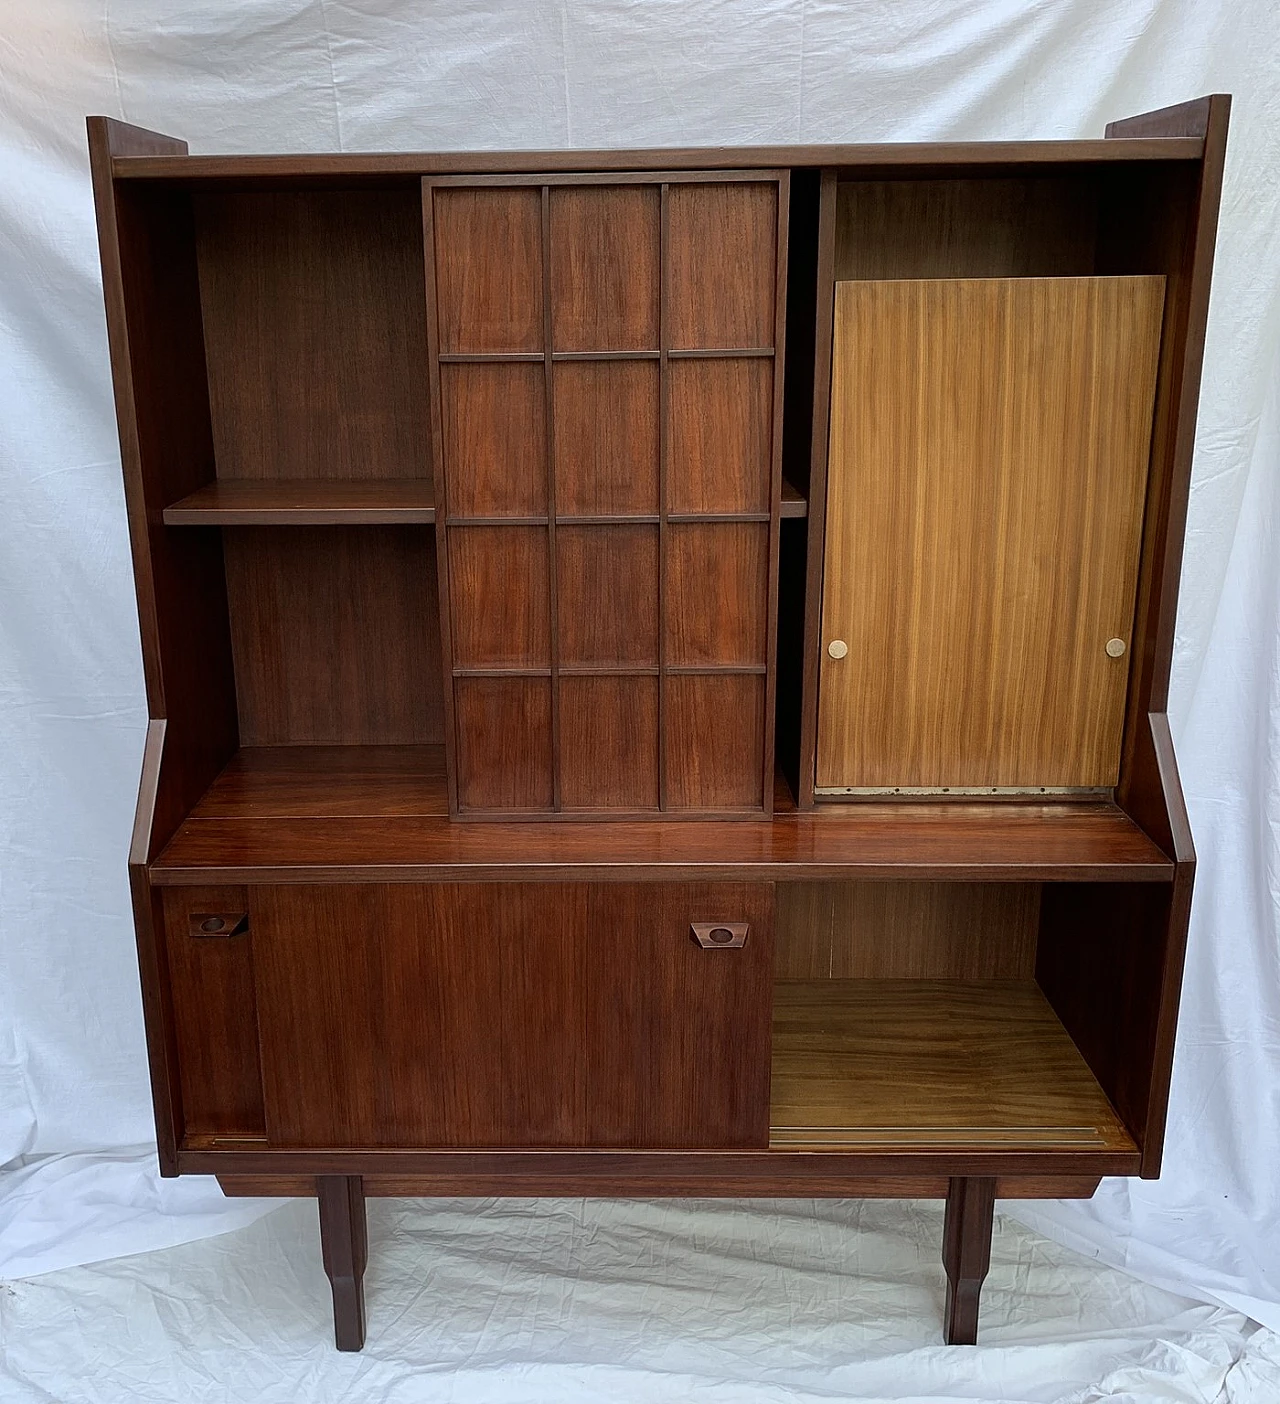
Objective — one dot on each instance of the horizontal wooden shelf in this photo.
(379, 813)
(794, 503)
(306, 502)
(931, 1065)
(408, 167)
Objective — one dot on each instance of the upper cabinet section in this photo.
(606, 379)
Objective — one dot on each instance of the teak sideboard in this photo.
(658, 665)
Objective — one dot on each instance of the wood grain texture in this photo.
(214, 1016)
(495, 442)
(721, 256)
(608, 595)
(715, 594)
(604, 268)
(609, 743)
(306, 502)
(957, 841)
(720, 423)
(312, 308)
(504, 743)
(528, 1015)
(1034, 226)
(907, 930)
(606, 437)
(714, 735)
(498, 591)
(930, 1063)
(1001, 157)
(615, 1186)
(977, 562)
(327, 782)
(334, 634)
(488, 259)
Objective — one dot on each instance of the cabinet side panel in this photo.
(150, 285)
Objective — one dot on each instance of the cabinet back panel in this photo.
(907, 930)
(988, 460)
(315, 333)
(336, 636)
(963, 228)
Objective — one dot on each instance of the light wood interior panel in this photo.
(315, 339)
(1012, 227)
(335, 634)
(988, 460)
(914, 1063)
(907, 930)
(604, 268)
(488, 264)
(494, 418)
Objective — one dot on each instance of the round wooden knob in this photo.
(1115, 647)
(837, 648)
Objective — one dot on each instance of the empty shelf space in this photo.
(327, 782)
(794, 503)
(306, 502)
(922, 1064)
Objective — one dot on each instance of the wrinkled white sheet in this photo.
(386, 74)
(566, 1300)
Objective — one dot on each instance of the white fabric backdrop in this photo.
(265, 75)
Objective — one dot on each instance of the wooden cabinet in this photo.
(658, 664)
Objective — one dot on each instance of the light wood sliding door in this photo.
(606, 360)
(987, 473)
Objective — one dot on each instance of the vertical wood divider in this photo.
(824, 313)
(442, 504)
(663, 394)
(552, 573)
(775, 490)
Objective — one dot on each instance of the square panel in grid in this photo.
(606, 437)
(605, 272)
(607, 595)
(720, 434)
(714, 731)
(495, 439)
(715, 595)
(609, 742)
(488, 267)
(499, 597)
(504, 743)
(721, 264)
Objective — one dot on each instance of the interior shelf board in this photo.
(794, 503)
(889, 1064)
(335, 813)
(306, 502)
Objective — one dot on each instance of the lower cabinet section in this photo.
(477, 1015)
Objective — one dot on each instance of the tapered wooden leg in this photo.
(344, 1245)
(966, 1253)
